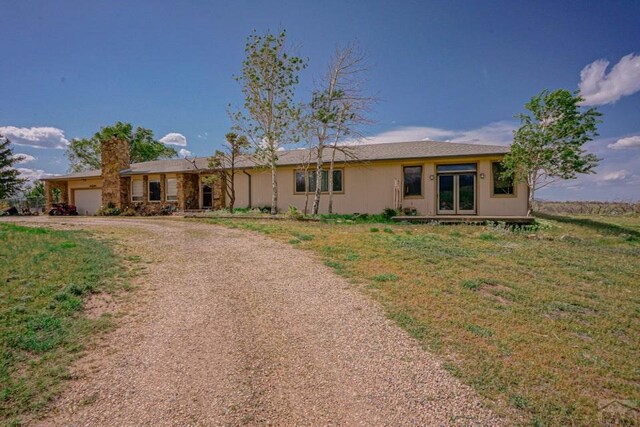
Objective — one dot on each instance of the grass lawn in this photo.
(544, 323)
(45, 276)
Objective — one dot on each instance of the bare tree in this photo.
(224, 163)
(337, 111)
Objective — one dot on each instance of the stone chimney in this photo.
(115, 158)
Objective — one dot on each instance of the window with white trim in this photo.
(137, 190)
(172, 189)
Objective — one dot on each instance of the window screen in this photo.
(137, 190)
(172, 189)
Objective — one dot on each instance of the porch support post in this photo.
(48, 196)
(145, 189)
(163, 187)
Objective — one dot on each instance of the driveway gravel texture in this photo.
(229, 327)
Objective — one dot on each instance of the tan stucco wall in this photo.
(369, 188)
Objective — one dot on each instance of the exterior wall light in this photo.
(432, 177)
(482, 176)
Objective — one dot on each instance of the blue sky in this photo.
(443, 70)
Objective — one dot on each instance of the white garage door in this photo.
(88, 201)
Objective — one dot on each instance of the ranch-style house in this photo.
(425, 178)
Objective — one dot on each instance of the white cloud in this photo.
(34, 174)
(623, 143)
(26, 158)
(496, 133)
(184, 153)
(174, 139)
(598, 88)
(39, 137)
(616, 175)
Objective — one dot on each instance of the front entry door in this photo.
(456, 194)
(207, 197)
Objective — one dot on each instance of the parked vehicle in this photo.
(63, 209)
(9, 211)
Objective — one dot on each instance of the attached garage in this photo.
(87, 201)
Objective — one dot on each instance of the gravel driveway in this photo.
(233, 328)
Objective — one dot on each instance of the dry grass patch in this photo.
(51, 301)
(544, 324)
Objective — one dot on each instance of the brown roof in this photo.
(361, 152)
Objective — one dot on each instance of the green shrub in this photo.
(109, 210)
(128, 211)
(389, 213)
(294, 213)
(374, 229)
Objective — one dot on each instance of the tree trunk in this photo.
(530, 201)
(232, 193)
(330, 207)
(316, 197)
(274, 190)
(333, 158)
(531, 185)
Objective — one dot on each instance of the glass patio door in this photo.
(446, 194)
(457, 194)
(466, 194)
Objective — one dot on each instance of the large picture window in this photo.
(501, 186)
(172, 189)
(154, 190)
(308, 183)
(412, 180)
(137, 189)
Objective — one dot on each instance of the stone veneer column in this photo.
(63, 186)
(163, 188)
(182, 194)
(49, 187)
(48, 195)
(145, 189)
(115, 158)
(219, 192)
(188, 195)
(192, 195)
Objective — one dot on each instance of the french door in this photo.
(457, 194)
